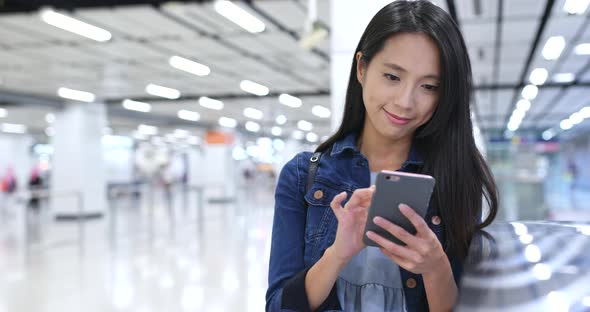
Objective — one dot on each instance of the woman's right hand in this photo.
(351, 222)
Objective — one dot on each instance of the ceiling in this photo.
(504, 38)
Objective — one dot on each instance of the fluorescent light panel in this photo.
(252, 126)
(311, 137)
(304, 125)
(253, 113)
(582, 49)
(188, 115)
(76, 95)
(210, 103)
(239, 16)
(276, 131)
(254, 88)
(75, 26)
(13, 128)
(161, 91)
(538, 76)
(189, 66)
(553, 48)
(530, 92)
(576, 6)
(290, 100)
(147, 129)
(137, 106)
(564, 77)
(281, 119)
(321, 111)
(227, 122)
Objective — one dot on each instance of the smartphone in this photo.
(393, 188)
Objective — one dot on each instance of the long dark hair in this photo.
(446, 140)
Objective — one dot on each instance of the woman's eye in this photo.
(391, 77)
(430, 87)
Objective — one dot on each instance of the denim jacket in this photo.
(304, 225)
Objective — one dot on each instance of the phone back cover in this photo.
(412, 191)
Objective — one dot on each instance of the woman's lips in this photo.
(396, 119)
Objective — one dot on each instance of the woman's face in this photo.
(400, 85)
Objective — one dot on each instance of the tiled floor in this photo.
(218, 264)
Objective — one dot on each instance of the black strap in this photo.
(314, 162)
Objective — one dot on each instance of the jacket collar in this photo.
(349, 143)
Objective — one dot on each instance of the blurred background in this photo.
(141, 140)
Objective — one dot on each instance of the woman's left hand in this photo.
(423, 252)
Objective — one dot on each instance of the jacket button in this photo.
(411, 283)
(318, 194)
(436, 220)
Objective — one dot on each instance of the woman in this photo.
(407, 109)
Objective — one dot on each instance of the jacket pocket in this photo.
(321, 223)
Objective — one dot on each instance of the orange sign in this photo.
(219, 137)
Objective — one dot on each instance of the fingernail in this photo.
(377, 219)
(403, 207)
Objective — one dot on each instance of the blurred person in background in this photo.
(407, 109)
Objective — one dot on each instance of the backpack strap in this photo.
(314, 162)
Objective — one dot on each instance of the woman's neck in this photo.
(383, 154)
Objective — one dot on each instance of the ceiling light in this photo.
(50, 118)
(321, 111)
(162, 91)
(548, 134)
(188, 115)
(298, 135)
(576, 118)
(566, 124)
(210, 103)
(553, 47)
(517, 114)
(227, 122)
(276, 131)
(582, 49)
(290, 100)
(3, 112)
(252, 126)
(311, 137)
(13, 128)
(189, 66)
(530, 92)
(181, 133)
(513, 126)
(538, 76)
(281, 119)
(239, 16)
(75, 26)
(564, 77)
(253, 113)
(585, 112)
(304, 125)
(76, 95)
(254, 88)
(137, 106)
(147, 129)
(523, 105)
(575, 6)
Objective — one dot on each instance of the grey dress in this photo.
(371, 281)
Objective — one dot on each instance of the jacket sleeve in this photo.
(287, 271)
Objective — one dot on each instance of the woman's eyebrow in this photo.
(399, 68)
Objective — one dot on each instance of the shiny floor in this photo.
(215, 263)
(146, 257)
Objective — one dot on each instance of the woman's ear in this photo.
(360, 67)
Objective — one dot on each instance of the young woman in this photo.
(407, 109)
